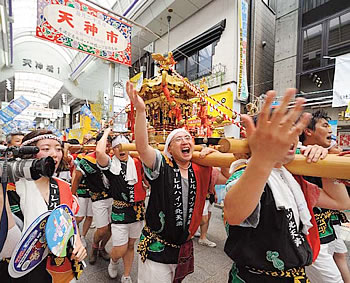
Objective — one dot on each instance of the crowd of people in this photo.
(280, 227)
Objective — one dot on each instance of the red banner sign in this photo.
(73, 24)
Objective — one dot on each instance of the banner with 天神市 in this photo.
(81, 27)
(242, 84)
(14, 108)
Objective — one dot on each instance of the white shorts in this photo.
(338, 245)
(121, 233)
(207, 207)
(85, 209)
(155, 272)
(324, 269)
(102, 210)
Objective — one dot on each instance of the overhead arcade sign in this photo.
(75, 25)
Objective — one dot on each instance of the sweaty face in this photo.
(181, 147)
(121, 155)
(322, 133)
(50, 147)
(16, 141)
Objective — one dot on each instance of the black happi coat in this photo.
(94, 177)
(323, 216)
(161, 212)
(83, 189)
(274, 245)
(133, 195)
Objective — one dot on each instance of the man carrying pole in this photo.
(101, 201)
(125, 177)
(325, 268)
(174, 212)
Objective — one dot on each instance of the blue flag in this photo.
(54, 130)
(85, 111)
(18, 125)
(14, 108)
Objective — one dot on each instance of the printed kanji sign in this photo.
(73, 24)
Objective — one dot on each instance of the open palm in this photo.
(274, 133)
(134, 97)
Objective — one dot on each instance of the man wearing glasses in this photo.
(178, 192)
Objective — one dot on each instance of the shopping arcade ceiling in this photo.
(151, 13)
(29, 83)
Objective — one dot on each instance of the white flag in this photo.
(341, 84)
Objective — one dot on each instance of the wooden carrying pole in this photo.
(122, 147)
(234, 146)
(132, 147)
(215, 159)
(77, 147)
(332, 166)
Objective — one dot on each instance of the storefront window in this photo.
(312, 46)
(317, 88)
(192, 66)
(180, 66)
(204, 59)
(197, 65)
(76, 118)
(339, 35)
(312, 4)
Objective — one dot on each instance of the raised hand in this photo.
(107, 130)
(134, 97)
(273, 136)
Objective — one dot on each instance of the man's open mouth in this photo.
(121, 154)
(185, 150)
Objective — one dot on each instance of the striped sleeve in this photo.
(252, 220)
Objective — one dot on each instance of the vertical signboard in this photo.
(242, 84)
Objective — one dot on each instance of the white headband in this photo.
(118, 140)
(170, 137)
(41, 137)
